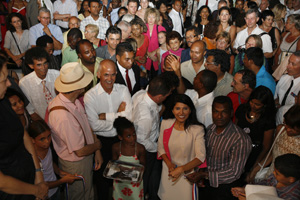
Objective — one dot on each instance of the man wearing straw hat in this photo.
(72, 137)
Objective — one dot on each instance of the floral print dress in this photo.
(128, 190)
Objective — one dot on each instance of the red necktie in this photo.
(128, 81)
(47, 93)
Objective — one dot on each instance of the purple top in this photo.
(153, 44)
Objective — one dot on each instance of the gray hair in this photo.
(295, 19)
(123, 25)
(250, 11)
(128, 18)
(45, 10)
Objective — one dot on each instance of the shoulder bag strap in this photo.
(16, 42)
(292, 45)
(64, 108)
(271, 148)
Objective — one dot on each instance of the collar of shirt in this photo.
(206, 99)
(214, 127)
(100, 89)
(261, 72)
(253, 30)
(152, 105)
(173, 10)
(122, 69)
(38, 80)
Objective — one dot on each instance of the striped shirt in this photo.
(227, 153)
(291, 192)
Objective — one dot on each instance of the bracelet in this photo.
(39, 170)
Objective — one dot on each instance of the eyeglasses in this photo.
(210, 63)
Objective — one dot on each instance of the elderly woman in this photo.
(91, 31)
(181, 146)
(290, 39)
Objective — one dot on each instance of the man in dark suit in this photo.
(127, 72)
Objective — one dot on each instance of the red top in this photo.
(142, 50)
(236, 101)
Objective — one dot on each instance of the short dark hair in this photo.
(35, 53)
(211, 30)
(209, 80)
(12, 92)
(223, 100)
(91, 1)
(123, 47)
(193, 28)
(37, 127)
(220, 58)
(74, 33)
(292, 117)
(113, 30)
(159, 3)
(288, 165)
(81, 42)
(171, 78)
(43, 41)
(159, 85)
(122, 123)
(122, 8)
(134, 1)
(10, 26)
(249, 77)
(266, 13)
(173, 35)
(256, 54)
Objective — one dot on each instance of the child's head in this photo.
(223, 40)
(174, 40)
(287, 168)
(125, 130)
(40, 133)
(162, 37)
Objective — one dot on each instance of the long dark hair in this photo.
(81, 11)
(192, 119)
(10, 26)
(198, 17)
(265, 96)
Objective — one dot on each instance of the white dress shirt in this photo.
(188, 71)
(32, 87)
(68, 7)
(177, 25)
(203, 106)
(212, 4)
(241, 37)
(97, 101)
(283, 85)
(101, 22)
(146, 120)
(114, 16)
(130, 74)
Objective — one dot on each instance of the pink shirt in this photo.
(67, 135)
(153, 44)
(176, 53)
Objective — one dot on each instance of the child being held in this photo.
(127, 150)
(40, 134)
(285, 178)
(174, 41)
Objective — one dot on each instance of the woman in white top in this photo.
(16, 41)
(181, 145)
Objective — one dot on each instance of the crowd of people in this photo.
(204, 95)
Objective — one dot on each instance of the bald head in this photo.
(74, 22)
(197, 51)
(107, 74)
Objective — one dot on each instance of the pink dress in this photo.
(153, 44)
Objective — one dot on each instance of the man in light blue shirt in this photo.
(45, 28)
(253, 60)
